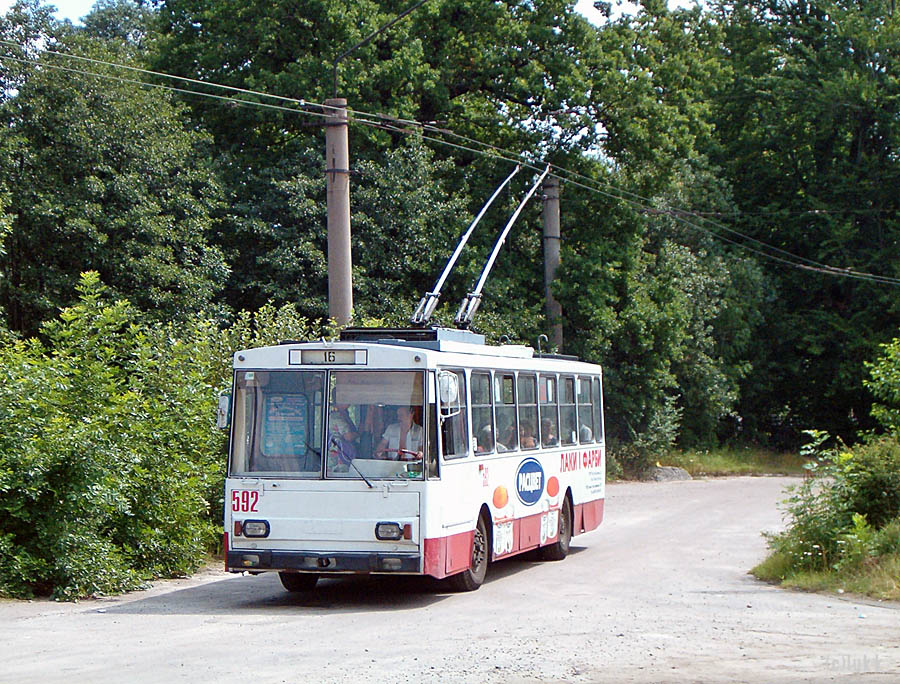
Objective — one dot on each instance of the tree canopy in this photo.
(718, 164)
(729, 220)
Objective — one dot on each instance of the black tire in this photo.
(560, 548)
(473, 577)
(298, 581)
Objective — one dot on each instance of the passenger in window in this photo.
(586, 434)
(485, 439)
(402, 440)
(507, 440)
(526, 436)
(547, 432)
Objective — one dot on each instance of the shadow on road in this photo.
(513, 566)
(263, 594)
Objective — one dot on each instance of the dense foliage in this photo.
(106, 176)
(111, 469)
(701, 149)
(844, 519)
(846, 514)
(108, 462)
(807, 137)
(884, 383)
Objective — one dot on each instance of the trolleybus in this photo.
(411, 452)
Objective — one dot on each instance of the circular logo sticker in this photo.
(529, 481)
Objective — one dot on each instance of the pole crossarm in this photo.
(472, 300)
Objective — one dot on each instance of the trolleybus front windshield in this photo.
(373, 429)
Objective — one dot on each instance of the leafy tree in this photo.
(111, 470)
(102, 174)
(5, 223)
(807, 130)
(500, 70)
(649, 79)
(884, 383)
(107, 453)
(125, 21)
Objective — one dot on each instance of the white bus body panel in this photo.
(332, 521)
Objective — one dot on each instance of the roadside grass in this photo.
(877, 577)
(736, 461)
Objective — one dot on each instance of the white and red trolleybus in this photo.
(417, 452)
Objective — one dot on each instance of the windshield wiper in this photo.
(336, 442)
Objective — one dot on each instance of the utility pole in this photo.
(337, 171)
(552, 308)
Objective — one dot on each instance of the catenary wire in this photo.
(823, 268)
(487, 150)
(438, 129)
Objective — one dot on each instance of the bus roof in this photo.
(394, 348)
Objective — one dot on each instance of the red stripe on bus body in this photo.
(447, 555)
(588, 516)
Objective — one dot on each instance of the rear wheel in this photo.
(560, 548)
(298, 581)
(473, 577)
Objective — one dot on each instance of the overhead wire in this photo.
(161, 74)
(394, 124)
(808, 266)
(185, 91)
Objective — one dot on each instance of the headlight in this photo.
(256, 528)
(388, 531)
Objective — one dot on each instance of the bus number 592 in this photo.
(244, 501)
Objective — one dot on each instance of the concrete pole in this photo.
(337, 171)
(552, 308)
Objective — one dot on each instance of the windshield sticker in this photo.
(284, 426)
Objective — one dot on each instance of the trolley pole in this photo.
(552, 307)
(337, 170)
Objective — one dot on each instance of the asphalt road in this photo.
(658, 593)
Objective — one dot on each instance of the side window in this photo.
(597, 402)
(585, 412)
(528, 411)
(482, 413)
(505, 401)
(568, 433)
(454, 432)
(549, 415)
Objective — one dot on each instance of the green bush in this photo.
(884, 383)
(870, 478)
(887, 539)
(846, 511)
(613, 467)
(637, 456)
(111, 469)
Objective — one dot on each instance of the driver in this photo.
(402, 440)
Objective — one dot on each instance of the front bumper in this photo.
(323, 562)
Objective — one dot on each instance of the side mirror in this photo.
(223, 413)
(448, 390)
(448, 384)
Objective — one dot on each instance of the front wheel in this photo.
(298, 581)
(473, 577)
(560, 548)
